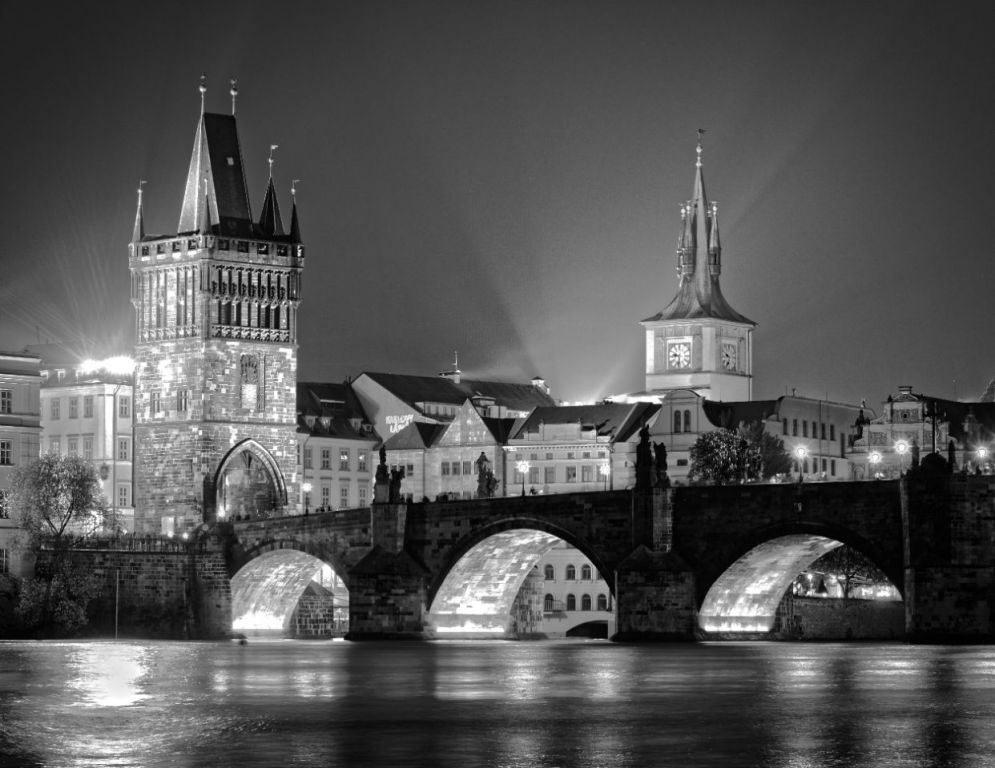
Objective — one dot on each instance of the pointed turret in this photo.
(204, 227)
(295, 225)
(138, 234)
(269, 220)
(216, 175)
(699, 260)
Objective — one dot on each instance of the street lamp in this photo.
(306, 487)
(523, 467)
(800, 453)
(982, 455)
(875, 459)
(604, 470)
(901, 447)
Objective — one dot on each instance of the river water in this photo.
(569, 703)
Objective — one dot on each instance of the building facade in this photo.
(88, 411)
(20, 431)
(336, 448)
(216, 351)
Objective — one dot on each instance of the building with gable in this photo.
(216, 348)
(336, 448)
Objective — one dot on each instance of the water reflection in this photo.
(494, 703)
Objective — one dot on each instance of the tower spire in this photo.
(269, 219)
(295, 226)
(234, 94)
(204, 227)
(203, 89)
(139, 231)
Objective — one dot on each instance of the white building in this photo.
(20, 430)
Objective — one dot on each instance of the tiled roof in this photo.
(333, 406)
(618, 419)
(438, 389)
(417, 435)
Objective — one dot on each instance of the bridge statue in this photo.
(660, 458)
(486, 482)
(644, 461)
(396, 476)
(381, 483)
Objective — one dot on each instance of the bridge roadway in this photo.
(681, 563)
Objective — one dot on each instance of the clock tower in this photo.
(698, 341)
(216, 347)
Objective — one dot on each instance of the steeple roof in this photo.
(216, 175)
(138, 234)
(699, 261)
(269, 220)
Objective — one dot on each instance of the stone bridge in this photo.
(681, 563)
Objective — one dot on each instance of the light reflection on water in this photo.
(495, 704)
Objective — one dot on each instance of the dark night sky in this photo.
(504, 179)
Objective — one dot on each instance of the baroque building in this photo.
(216, 346)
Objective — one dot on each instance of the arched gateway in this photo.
(248, 482)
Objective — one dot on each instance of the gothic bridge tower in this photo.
(216, 346)
(698, 341)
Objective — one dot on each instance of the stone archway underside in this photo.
(477, 595)
(266, 590)
(745, 597)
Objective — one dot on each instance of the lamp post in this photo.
(604, 470)
(523, 467)
(306, 487)
(901, 447)
(800, 453)
(982, 455)
(874, 458)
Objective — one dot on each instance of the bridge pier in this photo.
(388, 587)
(949, 528)
(654, 587)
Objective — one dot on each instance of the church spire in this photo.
(204, 227)
(138, 233)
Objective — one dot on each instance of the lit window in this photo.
(344, 459)
(361, 461)
(362, 496)
(571, 574)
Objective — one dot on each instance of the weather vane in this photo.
(203, 90)
(293, 187)
(234, 93)
(272, 149)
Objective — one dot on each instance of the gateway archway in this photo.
(249, 483)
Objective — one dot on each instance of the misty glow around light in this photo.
(119, 365)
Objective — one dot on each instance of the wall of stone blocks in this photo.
(832, 619)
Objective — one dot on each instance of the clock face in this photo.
(679, 355)
(729, 357)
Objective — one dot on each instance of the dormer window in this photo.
(309, 420)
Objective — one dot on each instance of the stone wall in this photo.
(316, 616)
(810, 618)
(166, 591)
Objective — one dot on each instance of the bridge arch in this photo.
(248, 480)
(491, 582)
(268, 593)
(741, 592)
